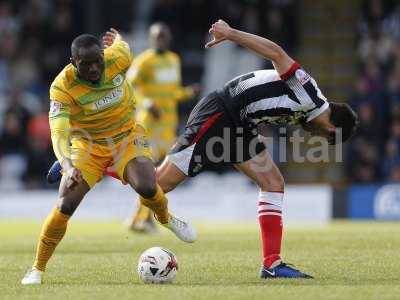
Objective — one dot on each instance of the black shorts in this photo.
(211, 138)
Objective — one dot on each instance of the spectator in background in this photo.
(365, 150)
(12, 151)
(40, 154)
(13, 137)
(33, 46)
(377, 96)
(394, 176)
(391, 158)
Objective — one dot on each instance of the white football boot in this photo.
(181, 228)
(33, 276)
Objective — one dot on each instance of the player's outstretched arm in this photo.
(221, 31)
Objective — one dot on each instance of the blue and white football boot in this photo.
(282, 271)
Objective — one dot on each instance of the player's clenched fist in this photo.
(109, 37)
(220, 31)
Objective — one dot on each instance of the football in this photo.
(157, 265)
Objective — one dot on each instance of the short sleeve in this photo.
(57, 93)
(306, 91)
(59, 110)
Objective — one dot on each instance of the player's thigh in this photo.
(263, 171)
(87, 158)
(69, 199)
(135, 147)
(169, 176)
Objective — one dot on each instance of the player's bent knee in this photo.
(146, 190)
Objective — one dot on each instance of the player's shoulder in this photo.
(173, 55)
(146, 55)
(65, 79)
(62, 86)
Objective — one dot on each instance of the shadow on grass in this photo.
(260, 282)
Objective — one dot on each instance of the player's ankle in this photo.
(37, 269)
(272, 262)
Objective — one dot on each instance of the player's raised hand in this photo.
(220, 32)
(109, 37)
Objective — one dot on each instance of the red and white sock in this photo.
(270, 220)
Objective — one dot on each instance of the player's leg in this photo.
(169, 176)
(142, 219)
(140, 173)
(54, 228)
(55, 225)
(263, 171)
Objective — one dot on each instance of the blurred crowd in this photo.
(374, 154)
(35, 37)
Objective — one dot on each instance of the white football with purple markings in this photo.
(157, 265)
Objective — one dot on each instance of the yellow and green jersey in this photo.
(156, 78)
(102, 110)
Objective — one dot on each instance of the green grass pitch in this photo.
(98, 261)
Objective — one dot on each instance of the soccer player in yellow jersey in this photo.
(156, 77)
(92, 129)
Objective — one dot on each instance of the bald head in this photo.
(160, 37)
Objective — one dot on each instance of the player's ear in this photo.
(72, 60)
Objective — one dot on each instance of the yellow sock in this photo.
(53, 230)
(158, 204)
(143, 213)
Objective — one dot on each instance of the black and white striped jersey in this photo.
(264, 96)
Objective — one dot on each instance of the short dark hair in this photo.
(344, 118)
(83, 40)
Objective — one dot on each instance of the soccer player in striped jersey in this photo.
(286, 95)
(92, 129)
(156, 78)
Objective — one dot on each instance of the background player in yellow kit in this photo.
(91, 109)
(156, 78)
